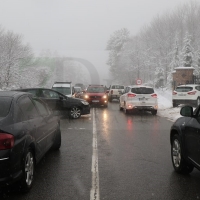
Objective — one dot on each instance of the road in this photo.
(111, 156)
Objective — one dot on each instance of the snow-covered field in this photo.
(165, 108)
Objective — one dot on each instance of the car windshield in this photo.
(5, 103)
(95, 90)
(142, 90)
(117, 87)
(184, 89)
(63, 90)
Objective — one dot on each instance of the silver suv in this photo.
(138, 97)
(186, 94)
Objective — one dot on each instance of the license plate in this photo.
(142, 99)
(182, 95)
(95, 100)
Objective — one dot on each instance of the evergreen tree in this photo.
(187, 52)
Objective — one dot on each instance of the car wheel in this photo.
(174, 104)
(120, 108)
(75, 112)
(28, 169)
(179, 164)
(57, 141)
(105, 105)
(198, 101)
(154, 112)
(110, 99)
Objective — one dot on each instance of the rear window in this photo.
(63, 90)
(184, 89)
(117, 87)
(142, 90)
(5, 103)
(96, 89)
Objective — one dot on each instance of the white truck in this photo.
(115, 91)
(64, 88)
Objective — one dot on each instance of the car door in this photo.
(35, 124)
(192, 139)
(49, 124)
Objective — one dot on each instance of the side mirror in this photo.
(61, 97)
(186, 111)
(107, 91)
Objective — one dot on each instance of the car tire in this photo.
(57, 141)
(106, 105)
(120, 108)
(75, 112)
(154, 112)
(110, 99)
(198, 101)
(179, 164)
(174, 104)
(28, 170)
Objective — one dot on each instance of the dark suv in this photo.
(96, 95)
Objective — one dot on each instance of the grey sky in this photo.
(79, 28)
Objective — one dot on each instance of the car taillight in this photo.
(6, 141)
(174, 93)
(154, 95)
(192, 93)
(131, 95)
(111, 91)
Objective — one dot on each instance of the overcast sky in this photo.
(78, 28)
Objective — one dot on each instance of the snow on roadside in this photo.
(165, 108)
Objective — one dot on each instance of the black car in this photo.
(185, 140)
(67, 106)
(28, 129)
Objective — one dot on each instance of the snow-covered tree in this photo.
(13, 55)
(187, 52)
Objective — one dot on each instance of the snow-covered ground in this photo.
(165, 108)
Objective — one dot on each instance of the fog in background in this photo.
(79, 28)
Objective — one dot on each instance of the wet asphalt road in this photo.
(133, 161)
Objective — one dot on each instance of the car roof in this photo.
(96, 86)
(10, 93)
(138, 86)
(191, 85)
(24, 89)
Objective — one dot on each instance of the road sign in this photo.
(138, 81)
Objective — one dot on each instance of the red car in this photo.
(96, 95)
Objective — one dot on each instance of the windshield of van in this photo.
(63, 90)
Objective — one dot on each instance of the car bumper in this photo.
(7, 176)
(98, 102)
(85, 110)
(147, 108)
(184, 101)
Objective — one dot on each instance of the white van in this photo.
(64, 88)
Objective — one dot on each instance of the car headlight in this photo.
(85, 103)
(86, 96)
(105, 96)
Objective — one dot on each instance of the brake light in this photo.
(6, 141)
(192, 93)
(154, 95)
(131, 95)
(111, 91)
(174, 93)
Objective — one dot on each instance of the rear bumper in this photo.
(184, 101)
(8, 175)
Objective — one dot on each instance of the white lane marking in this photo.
(94, 192)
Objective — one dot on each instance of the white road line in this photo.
(94, 192)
